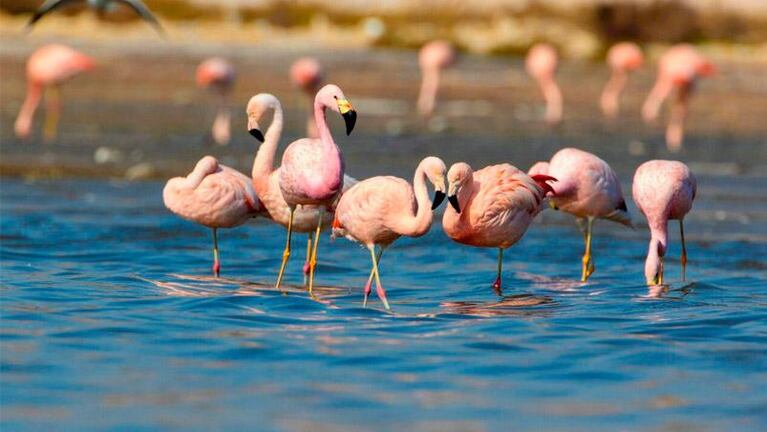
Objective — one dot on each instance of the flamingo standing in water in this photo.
(47, 68)
(312, 171)
(433, 57)
(218, 75)
(212, 195)
(663, 190)
(306, 74)
(679, 68)
(266, 177)
(492, 207)
(541, 64)
(379, 210)
(588, 189)
(622, 58)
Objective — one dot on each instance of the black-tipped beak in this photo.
(453, 200)
(350, 118)
(439, 196)
(257, 134)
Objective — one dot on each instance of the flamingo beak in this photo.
(453, 200)
(439, 196)
(348, 113)
(254, 130)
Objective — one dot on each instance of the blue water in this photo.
(110, 320)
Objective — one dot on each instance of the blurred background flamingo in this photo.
(492, 207)
(663, 190)
(622, 58)
(306, 74)
(215, 196)
(379, 210)
(433, 57)
(47, 68)
(678, 69)
(541, 64)
(586, 188)
(218, 75)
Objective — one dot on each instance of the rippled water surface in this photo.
(111, 320)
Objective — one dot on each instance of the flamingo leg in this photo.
(379, 288)
(286, 252)
(497, 283)
(313, 259)
(53, 107)
(308, 257)
(588, 263)
(370, 278)
(684, 249)
(216, 262)
(660, 273)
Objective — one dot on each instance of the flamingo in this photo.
(492, 207)
(212, 195)
(379, 210)
(47, 68)
(679, 68)
(541, 64)
(588, 189)
(312, 171)
(622, 58)
(101, 7)
(663, 190)
(266, 177)
(306, 74)
(433, 57)
(218, 75)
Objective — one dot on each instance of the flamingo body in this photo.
(663, 190)
(48, 67)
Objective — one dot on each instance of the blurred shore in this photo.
(140, 115)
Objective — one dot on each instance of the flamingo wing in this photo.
(505, 189)
(144, 12)
(48, 6)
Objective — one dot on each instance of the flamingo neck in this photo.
(613, 90)
(418, 224)
(196, 177)
(428, 94)
(659, 238)
(334, 164)
(263, 164)
(658, 94)
(553, 97)
(23, 125)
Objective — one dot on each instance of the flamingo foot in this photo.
(497, 286)
(367, 293)
(216, 269)
(382, 295)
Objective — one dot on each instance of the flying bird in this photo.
(101, 7)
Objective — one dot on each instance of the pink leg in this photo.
(216, 262)
(307, 266)
(497, 283)
(369, 283)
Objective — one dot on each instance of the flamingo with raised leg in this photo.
(218, 75)
(587, 188)
(266, 177)
(541, 64)
(492, 207)
(663, 190)
(312, 171)
(622, 58)
(47, 68)
(678, 69)
(306, 74)
(433, 57)
(379, 210)
(215, 196)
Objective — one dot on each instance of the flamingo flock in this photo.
(490, 207)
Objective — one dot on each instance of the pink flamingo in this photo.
(379, 210)
(266, 177)
(433, 57)
(541, 64)
(47, 68)
(623, 58)
(679, 68)
(218, 75)
(663, 190)
(312, 171)
(306, 74)
(588, 189)
(212, 195)
(492, 207)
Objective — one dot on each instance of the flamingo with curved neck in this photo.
(541, 64)
(218, 75)
(622, 58)
(312, 171)
(306, 74)
(379, 210)
(433, 57)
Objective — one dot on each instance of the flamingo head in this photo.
(306, 73)
(434, 169)
(706, 69)
(332, 97)
(257, 107)
(458, 176)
